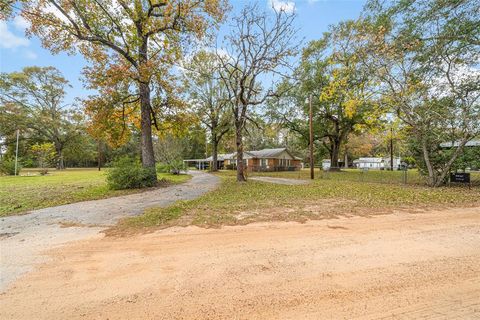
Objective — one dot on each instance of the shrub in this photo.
(7, 167)
(174, 166)
(45, 154)
(128, 173)
(163, 168)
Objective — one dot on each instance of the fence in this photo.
(408, 177)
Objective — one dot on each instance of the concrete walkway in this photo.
(24, 238)
(289, 182)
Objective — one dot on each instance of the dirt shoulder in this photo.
(402, 265)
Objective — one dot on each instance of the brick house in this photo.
(279, 159)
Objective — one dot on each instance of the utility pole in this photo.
(391, 148)
(312, 170)
(16, 153)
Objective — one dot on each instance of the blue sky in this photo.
(16, 51)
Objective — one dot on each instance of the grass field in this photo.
(233, 203)
(33, 191)
(411, 177)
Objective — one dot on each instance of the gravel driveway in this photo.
(23, 238)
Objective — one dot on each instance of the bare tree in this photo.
(259, 45)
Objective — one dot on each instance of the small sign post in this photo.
(460, 177)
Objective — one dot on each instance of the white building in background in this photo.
(369, 163)
(376, 163)
(397, 162)
(326, 164)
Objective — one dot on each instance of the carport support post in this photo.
(312, 172)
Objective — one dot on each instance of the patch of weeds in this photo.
(156, 216)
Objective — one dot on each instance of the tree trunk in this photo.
(99, 155)
(450, 162)
(59, 151)
(146, 143)
(334, 155)
(61, 164)
(239, 143)
(426, 157)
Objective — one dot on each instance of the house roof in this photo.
(374, 160)
(471, 143)
(368, 160)
(222, 156)
(269, 153)
(259, 154)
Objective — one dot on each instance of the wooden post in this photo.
(391, 148)
(16, 153)
(312, 171)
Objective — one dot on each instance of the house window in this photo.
(263, 162)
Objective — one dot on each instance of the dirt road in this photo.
(398, 266)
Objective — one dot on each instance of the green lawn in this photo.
(378, 176)
(233, 203)
(411, 177)
(33, 191)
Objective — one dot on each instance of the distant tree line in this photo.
(405, 73)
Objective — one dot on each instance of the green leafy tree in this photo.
(33, 101)
(44, 154)
(208, 97)
(341, 89)
(134, 40)
(426, 55)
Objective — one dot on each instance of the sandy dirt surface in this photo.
(397, 266)
(23, 238)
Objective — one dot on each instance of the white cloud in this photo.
(9, 40)
(282, 5)
(20, 23)
(29, 54)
